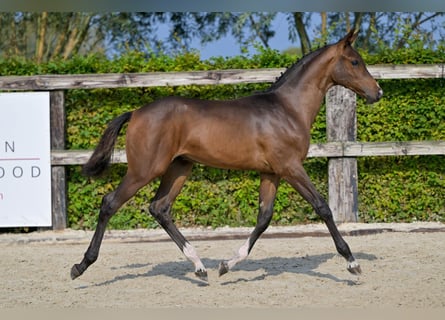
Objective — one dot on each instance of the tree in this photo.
(50, 35)
(390, 29)
(245, 27)
(44, 36)
(300, 27)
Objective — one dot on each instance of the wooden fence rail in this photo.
(330, 150)
(158, 79)
(341, 148)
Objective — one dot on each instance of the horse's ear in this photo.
(350, 37)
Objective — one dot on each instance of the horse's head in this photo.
(350, 71)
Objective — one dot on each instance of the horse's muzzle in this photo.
(379, 94)
(377, 97)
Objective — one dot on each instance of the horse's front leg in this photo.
(268, 190)
(171, 184)
(301, 182)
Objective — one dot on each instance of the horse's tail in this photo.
(100, 159)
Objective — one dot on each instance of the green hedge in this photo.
(390, 188)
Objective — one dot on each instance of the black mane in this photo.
(295, 68)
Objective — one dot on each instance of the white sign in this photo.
(25, 164)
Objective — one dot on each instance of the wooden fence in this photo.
(341, 148)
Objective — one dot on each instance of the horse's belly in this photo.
(229, 159)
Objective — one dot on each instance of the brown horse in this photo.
(268, 132)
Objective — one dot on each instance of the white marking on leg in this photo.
(354, 267)
(353, 264)
(190, 252)
(242, 254)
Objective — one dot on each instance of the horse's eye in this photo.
(354, 62)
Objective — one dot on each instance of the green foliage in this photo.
(390, 188)
(402, 189)
(406, 113)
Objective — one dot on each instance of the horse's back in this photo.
(231, 134)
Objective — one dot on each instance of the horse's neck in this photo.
(305, 89)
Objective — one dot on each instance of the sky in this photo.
(228, 46)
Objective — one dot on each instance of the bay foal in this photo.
(268, 132)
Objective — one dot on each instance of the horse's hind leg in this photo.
(301, 182)
(110, 204)
(160, 208)
(268, 190)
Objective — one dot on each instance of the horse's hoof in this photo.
(354, 268)
(223, 268)
(75, 272)
(202, 274)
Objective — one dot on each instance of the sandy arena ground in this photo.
(403, 266)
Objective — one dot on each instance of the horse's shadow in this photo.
(182, 270)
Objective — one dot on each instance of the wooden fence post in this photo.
(58, 173)
(341, 121)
